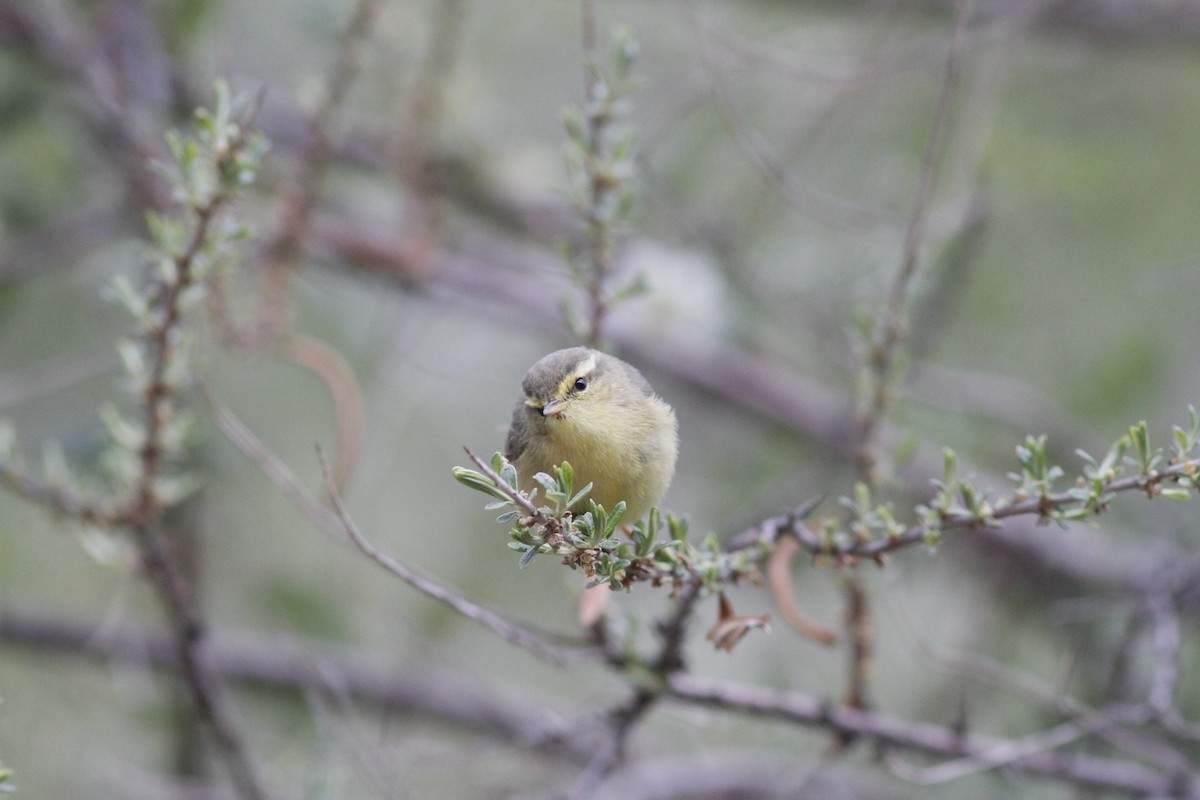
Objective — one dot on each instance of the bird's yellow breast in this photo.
(627, 452)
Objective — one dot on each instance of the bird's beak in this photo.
(554, 407)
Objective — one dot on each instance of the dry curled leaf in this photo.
(730, 627)
(779, 577)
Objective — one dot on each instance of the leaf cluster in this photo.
(601, 161)
(654, 550)
(1040, 488)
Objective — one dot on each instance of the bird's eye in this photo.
(581, 384)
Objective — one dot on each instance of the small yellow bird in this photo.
(600, 414)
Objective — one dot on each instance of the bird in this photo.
(600, 414)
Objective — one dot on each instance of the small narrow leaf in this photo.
(477, 481)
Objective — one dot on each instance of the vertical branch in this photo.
(419, 157)
(888, 337)
(162, 355)
(622, 719)
(588, 35)
(601, 164)
(299, 201)
(147, 450)
(425, 108)
(892, 327)
(598, 237)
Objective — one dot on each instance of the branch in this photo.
(1083, 771)
(893, 324)
(772, 528)
(535, 642)
(294, 667)
(211, 166)
(146, 507)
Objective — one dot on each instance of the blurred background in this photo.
(780, 152)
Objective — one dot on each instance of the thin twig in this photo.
(1040, 507)
(826, 208)
(60, 499)
(1005, 753)
(535, 642)
(1054, 699)
(893, 324)
(423, 115)
(95, 84)
(284, 249)
(272, 466)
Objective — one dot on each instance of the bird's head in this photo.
(566, 384)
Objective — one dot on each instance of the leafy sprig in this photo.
(654, 550)
(601, 160)
(144, 466)
(1040, 488)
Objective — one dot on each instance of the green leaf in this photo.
(477, 481)
(566, 477)
(528, 557)
(678, 527)
(548, 483)
(573, 122)
(582, 493)
(614, 518)
(508, 474)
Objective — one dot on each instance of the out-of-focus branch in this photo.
(67, 52)
(1111, 21)
(286, 245)
(211, 166)
(892, 325)
(1083, 771)
(338, 523)
(379, 688)
(417, 156)
(879, 372)
(274, 664)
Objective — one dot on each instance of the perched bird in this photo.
(600, 414)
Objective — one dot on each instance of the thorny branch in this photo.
(144, 515)
(1040, 507)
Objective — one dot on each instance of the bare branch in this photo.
(1075, 769)
(535, 642)
(292, 666)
